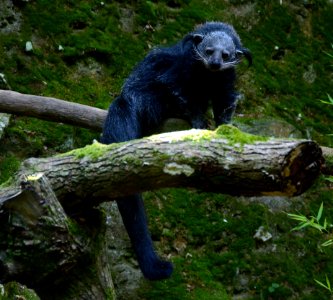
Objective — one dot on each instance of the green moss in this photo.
(232, 134)
(14, 290)
(8, 166)
(93, 151)
(236, 136)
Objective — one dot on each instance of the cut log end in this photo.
(301, 167)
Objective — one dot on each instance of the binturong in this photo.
(173, 82)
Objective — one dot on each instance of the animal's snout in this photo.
(215, 65)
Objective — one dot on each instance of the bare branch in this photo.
(52, 109)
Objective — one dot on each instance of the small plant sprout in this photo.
(327, 243)
(326, 286)
(329, 101)
(329, 54)
(312, 221)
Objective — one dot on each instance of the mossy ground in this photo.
(101, 42)
(13, 290)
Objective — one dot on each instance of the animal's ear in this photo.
(245, 52)
(197, 38)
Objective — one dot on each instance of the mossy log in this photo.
(223, 161)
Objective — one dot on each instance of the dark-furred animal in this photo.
(173, 82)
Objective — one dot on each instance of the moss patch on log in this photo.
(94, 151)
(236, 136)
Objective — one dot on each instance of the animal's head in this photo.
(218, 46)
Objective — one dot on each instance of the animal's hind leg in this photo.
(134, 217)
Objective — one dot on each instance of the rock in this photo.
(262, 234)
(270, 127)
(127, 276)
(3, 82)
(310, 75)
(4, 121)
(28, 46)
(10, 19)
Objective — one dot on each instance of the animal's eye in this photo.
(239, 53)
(209, 51)
(225, 56)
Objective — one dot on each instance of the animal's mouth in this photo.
(216, 67)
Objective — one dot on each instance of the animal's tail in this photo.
(133, 213)
(122, 125)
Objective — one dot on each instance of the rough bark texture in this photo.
(42, 247)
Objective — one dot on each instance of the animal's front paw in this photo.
(157, 269)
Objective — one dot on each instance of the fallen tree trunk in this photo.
(198, 158)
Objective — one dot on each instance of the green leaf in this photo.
(322, 284)
(318, 227)
(327, 243)
(325, 102)
(301, 226)
(328, 283)
(298, 217)
(330, 98)
(329, 178)
(329, 54)
(320, 211)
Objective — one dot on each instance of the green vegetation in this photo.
(94, 150)
(82, 52)
(236, 136)
(313, 222)
(13, 290)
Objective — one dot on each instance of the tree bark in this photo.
(44, 248)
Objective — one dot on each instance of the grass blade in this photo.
(320, 211)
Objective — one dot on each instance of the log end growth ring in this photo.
(301, 167)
